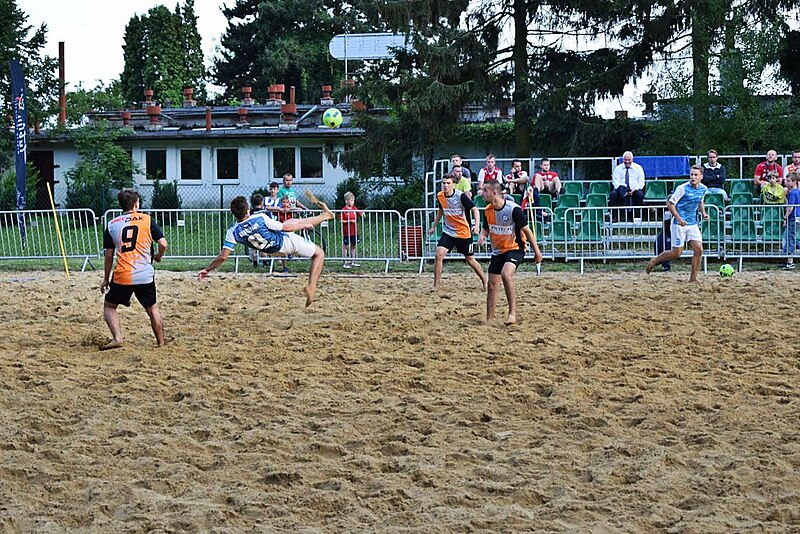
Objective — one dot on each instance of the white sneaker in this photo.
(355, 264)
(345, 265)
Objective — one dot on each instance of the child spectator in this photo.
(350, 214)
(772, 192)
(256, 206)
(272, 204)
(288, 197)
(790, 218)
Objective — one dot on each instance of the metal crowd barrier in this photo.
(756, 231)
(78, 229)
(605, 233)
(198, 233)
(419, 244)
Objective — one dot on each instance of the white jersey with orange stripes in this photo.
(455, 209)
(132, 235)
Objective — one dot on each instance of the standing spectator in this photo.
(462, 182)
(770, 165)
(453, 208)
(455, 161)
(790, 219)
(546, 181)
(288, 196)
(714, 175)
(517, 181)
(507, 227)
(131, 237)
(627, 182)
(490, 172)
(794, 166)
(350, 215)
(684, 204)
(272, 204)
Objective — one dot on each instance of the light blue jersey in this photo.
(687, 200)
(258, 232)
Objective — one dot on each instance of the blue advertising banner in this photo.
(20, 139)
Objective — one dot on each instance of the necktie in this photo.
(627, 178)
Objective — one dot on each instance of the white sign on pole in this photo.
(365, 45)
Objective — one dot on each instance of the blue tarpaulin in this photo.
(663, 166)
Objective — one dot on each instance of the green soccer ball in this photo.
(332, 118)
(726, 271)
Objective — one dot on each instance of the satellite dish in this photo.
(366, 45)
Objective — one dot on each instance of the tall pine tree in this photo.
(162, 52)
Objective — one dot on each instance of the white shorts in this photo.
(683, 234)
(296, 245)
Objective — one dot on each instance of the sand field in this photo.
(620, 403)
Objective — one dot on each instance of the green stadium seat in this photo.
(741, 186)
(741, 214)
(712, 229)
(573, 188)
(596, 200)
(655, 190)
(741, 199)
(772, 213)
(772, 231)
(590, 231)
(517, 198)
(561, 212)
(546, 200)
(479, 201)
(673, 185)
(560, 231)
(600, 187)
(568, 201)
(714, 199)
(744, 230)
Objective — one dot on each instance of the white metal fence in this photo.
(78, 228)
(752, 231)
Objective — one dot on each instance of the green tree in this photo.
(103, 168)
(162, 52)
(102, 98)
(21, 41)
(283, 41)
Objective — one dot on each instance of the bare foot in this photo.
(326, 212)
(512, 319)
(483, 283)
(160, 345)
(692, 280)
(650, 266)
(113, 344)
(309, 295)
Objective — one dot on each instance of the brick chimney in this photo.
(148, 99)
(289, 113)
(126, 117)
(243, 118)
(327, 98)
(187, 97)
(275, 94)
(247, 99)
(208, 118)
(154, 112)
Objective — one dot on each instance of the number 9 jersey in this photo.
(132, 236)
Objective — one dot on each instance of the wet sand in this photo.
(619, 403)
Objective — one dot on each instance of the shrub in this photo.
(401, 198)
(166, 197)
(8, 189)
(355, 186)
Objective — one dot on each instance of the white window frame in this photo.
(179, 168)
(297, 164)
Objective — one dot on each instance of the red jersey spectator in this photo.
(770, 165)
(490, 172)
(349, 216)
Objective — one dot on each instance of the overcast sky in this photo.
(93, 31)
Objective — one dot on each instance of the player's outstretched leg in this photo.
(156, 323)
(314, 272)
(667, 255)
(111, 316)
(697, 247)
(491, 296)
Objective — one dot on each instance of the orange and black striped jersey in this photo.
(455, 208)
(505, 227)
(132, 236)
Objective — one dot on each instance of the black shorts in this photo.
(350, 240)
(121, 294)
(498, 261)
(462, 244)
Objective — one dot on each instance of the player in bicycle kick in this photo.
(262, 233)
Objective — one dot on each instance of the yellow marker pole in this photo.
(533, 229)
(58, 230)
